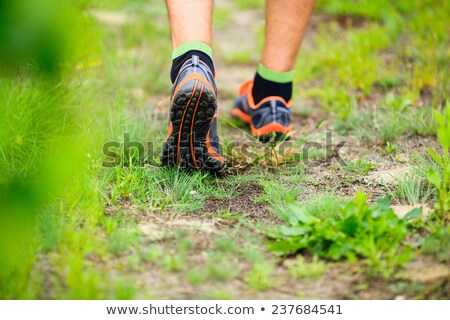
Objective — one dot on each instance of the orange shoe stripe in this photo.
(269, 128)
(182, 120)
(244, 87)
(240, 114)
(192, 127)
(170, 130)
(288, 103)
(211, 150)
(247, 87)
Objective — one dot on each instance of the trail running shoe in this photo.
(269, 120)
(192, 141)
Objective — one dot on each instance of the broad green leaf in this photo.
(384, 201)
(414, 213)
(382, 207)
(299, 214)
(372, 232)
(434, 177)
(439, 118)
(378, 212)
(447, 169)
(444, 137)
(350, 225)
(447, 113)
(435, 156)
(285, 247)
(292, 231)
(361, 201)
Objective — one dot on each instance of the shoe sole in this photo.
(272, 132)
(274, 136)
(192, 111)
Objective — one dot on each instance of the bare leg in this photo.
(190, 21)
(286, 21)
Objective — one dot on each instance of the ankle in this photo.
(269, 83)
(185, 52)
(263, 88)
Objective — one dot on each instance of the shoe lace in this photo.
(160, 107)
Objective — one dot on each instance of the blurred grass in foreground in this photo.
(41, 149)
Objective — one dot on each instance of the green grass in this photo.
(309, 270)
(437, 243)
(357, 58)
(278, 195)
(358, 231)
(414, 190)
(439, 177)
(238, 58)
(249, 4)
(392, 118)
(71, 228)
(324, 206)
(360, 166)
(260, 277)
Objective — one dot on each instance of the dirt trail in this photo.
(203, 228)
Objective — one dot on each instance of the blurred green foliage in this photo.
(40, 147)
(41, 33)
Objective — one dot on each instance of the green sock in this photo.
(190, 46)
(275, 76)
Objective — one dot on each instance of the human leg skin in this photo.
(190, 21)
(286, 22)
